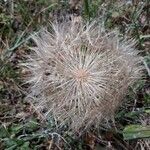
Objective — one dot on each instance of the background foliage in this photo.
(21, 126)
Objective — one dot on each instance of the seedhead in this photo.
(80, 73)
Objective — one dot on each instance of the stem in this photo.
(86, 8)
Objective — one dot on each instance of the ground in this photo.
(21, 126)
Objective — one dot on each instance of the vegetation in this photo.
(21, 125)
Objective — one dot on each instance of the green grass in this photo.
(21, 126)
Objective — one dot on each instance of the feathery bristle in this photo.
(80, 73)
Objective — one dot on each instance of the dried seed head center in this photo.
(81, 75)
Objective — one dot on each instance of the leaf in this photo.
(86, 8)
(10, 144)
(134, 114)
(147, 111)
(11, 148)
(25, 146)
(3, 132)
(14, 144)
(115, 14)
(31, 125)
(16, 129)
(136, 131)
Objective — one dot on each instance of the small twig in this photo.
(50, 145)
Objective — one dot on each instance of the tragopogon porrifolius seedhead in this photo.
(80, 73)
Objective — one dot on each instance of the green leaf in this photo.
(3, 132)
(134, 114)
(136, 131)
(15, 144)
(31, 125)
(12, 147)
(10, 144)
(16, 129)
(147, 111)
(115, 14)
(86, 8)
(25, 146)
